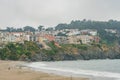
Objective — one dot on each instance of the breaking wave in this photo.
(41, 66)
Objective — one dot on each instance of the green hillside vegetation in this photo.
(30, 51)
(17, 51)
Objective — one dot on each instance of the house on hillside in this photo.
(49, 37)
(79, 39)
(18, 37)
(4, 37)
(91, 32)
(111, 30)
(61, 39)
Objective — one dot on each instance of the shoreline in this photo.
(11, 70)
(40, 66)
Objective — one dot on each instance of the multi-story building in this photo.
(79, 39)
(61, 39)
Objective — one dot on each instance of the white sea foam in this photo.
(41, 66)
(35, 64)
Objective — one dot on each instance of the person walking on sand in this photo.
(9, 68)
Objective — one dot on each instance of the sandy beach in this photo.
(10, 70)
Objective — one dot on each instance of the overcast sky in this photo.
(19, 13)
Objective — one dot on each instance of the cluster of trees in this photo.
(28, 28)
(17, 51)
(29, 51)
(88, 24)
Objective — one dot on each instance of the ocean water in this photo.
(93, 69)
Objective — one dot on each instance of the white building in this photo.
(93, 32)
(111, 30)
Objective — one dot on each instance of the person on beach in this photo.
(9, 68)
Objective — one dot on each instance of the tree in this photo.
(49, 29)
(8, 29)
(19, 30)
(29, 28)
(40, 28)
(61, 34)
(11, 29)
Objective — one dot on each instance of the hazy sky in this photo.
(19, 13)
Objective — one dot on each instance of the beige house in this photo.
(61, 39)
(81, 39)
(4, 37)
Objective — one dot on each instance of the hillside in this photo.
(108, 47)
(30, 51)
